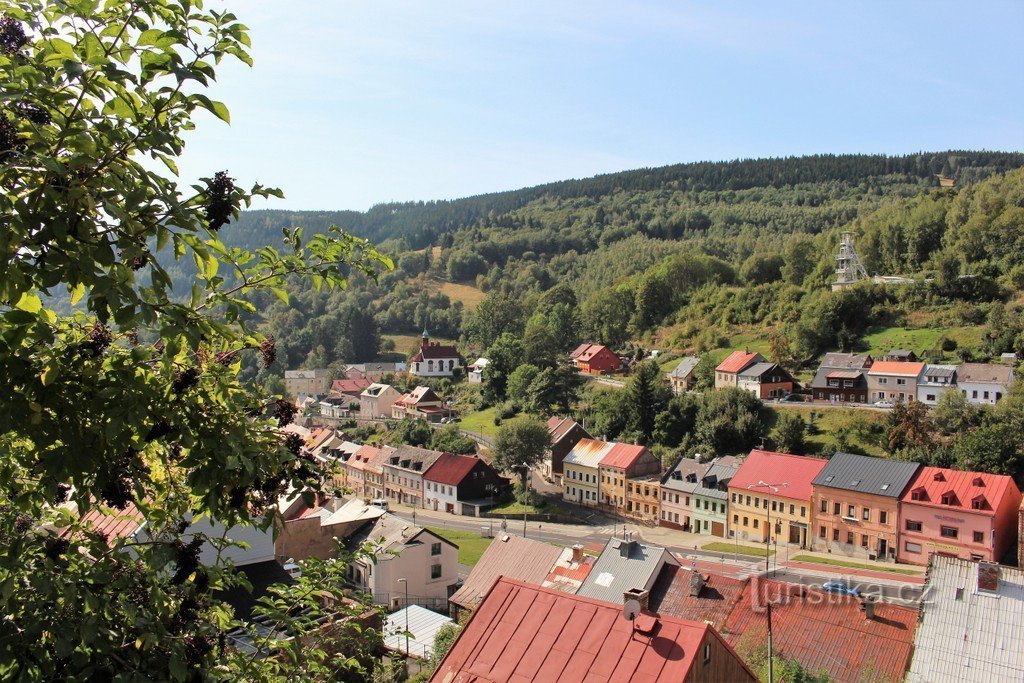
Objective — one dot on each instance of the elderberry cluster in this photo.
(218, 200)
(8, 134)
(159, 430)
(33, 112)
(117, 492)
(98, 339)
(284, 411)
(294, 443)
(186, 557)
(12, 35)
(184, 380)
(268, 349)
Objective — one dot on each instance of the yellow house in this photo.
(580, 472)
(776, 485)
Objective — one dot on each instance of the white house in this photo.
(984, 383)
(426, 563)
(476, 371)
(315, 382)
(377, 399)
(936, 380)
(434, 359)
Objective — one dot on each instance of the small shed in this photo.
(423, 625)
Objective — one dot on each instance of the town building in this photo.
(377, 400)
(570, 570)
(580, 480)
(972, 624)
(403, 474)
(434, 359)
(711, 497)
(900, 355)
(620, 463)
(422, 403)
(595, 359)
(856, 505)
(312, 531)
(727, 373)
(936, 381)
(642, 498)
(984, 383)
(626, 569)
(842, 378)
(565, 434)
(475, 374)
(683, 377)
(894, 381)
(307, 382)
(375, 371)
(454, 482)
(1020, 536)
(508, 555)
(523, 632)
(967, 514)
(766, 380)
(775, 484)
(677, 489)
(427, 564)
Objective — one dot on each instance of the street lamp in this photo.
(403, 581)
(768, 510)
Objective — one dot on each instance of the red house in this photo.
(595, 359)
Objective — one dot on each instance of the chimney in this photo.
(988, 576)
(625, 547)
(869, 607)
(697, 583)
(577, 553)
(638, 594)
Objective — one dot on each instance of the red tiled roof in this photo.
(826, 631)
(995, 487)
(528, 633)
(796, 471)
(895, 367)
(622, 456)
(584, 352)
(670, 595)
(420, 395)
(737, 361)
(450, 469)
(350, 386)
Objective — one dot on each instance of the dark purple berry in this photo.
(33, 112)
(99, 338)
(184, 380)
(55, 547)
(219, 200)
(159, 430)
(61, 496)
(9, 139)
(268, 349)
(294, 443)
(133, 336)
(285, 411)
(12, 35)
(186, 556)
(224, 357)
(196, 649)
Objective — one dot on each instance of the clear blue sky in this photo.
(354, 103)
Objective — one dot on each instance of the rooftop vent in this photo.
(988, 576)
(626, 547)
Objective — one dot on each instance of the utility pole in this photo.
(771, 664)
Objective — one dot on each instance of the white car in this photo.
(883, 404)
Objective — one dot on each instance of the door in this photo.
(794, 534)
(717, 529)
(883, 548)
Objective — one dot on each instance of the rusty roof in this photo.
(529, 633)
(511, 556)
(738, 360)
(716, 598)
(826, 631)
(587, 453)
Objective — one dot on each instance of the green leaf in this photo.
(220, 110)
(76, 293)
(280, 293)
(29, 302)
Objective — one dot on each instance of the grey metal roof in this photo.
(967, 634)
(864, 474)
(844, 361)
(939, 370)
(423, 626)
(685, 367)
(820, 380)
(758, 369)
(621, 566)
(685, 466)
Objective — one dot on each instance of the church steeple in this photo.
(426, 338)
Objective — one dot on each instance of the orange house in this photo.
(595, 359)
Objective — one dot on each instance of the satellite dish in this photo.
(631, 610)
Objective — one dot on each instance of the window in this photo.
(792, 509)
(984, 394)
(744, 521)
(748, 500)
(930, 397)
(949, 531)
(849, 538)
(821, 532)
(707, 653)
(863, 541)
(866, 514)
(824, 506)
(837, 508)
(803, 511)
(979, 536)
(735, 519)
(912, 547)
(883, 516)
(435, 548)
(851, 511)
(835, 534)
(901, 382)
(435, 571)
(757, 502)
(757, 523)
(974, 394)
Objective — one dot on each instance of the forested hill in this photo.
(421, 223)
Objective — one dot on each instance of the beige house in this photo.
(377, 400)
(894, 381)
(312, 382)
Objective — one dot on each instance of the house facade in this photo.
(766, 380)
(454, 479)
(711, 497)
(475, 372)
(677, 487)
(377, 400)
(967, 514)
(403, 474)
(936, 381)
(786, 498)
(595, 359)
(643, 498)
(434, 359)
(842, 378)
(984, 383)
(422, 403)
(728, 371)
(580, 480)
(856, 505)
(894, 381)
(307, 382)
(364, 472)
(565, 434)
(375, 371)
(683, 377)
(620, 463)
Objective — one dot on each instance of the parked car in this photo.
(840, 587)
(883, 404)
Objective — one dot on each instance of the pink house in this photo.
(965, 514)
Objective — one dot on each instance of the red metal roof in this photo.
(450, 469)
(622, 456)
(937, 481)
(528, 633)
(579, 350)
(796, 471)
(895, 367)
(350, 386)
(585, 352)
(435, 351)
(737, 361)
(826, 631)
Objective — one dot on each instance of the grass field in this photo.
(833, 562)
(480, 422)
(860, 427)
(879, 340)
(723, 547)
(469, 295)
(471, 544)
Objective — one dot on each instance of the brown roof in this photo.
(435, 351)
(511, 556)
(349, 386)
(412, 458)
(984, 372)
(715, 599)
(558, 427)
(114, 524)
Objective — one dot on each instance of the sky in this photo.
(350, 104)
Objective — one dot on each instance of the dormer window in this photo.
(949, 498)
(979, 503)
(939, 477)
(918, 494)
(978, 481)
